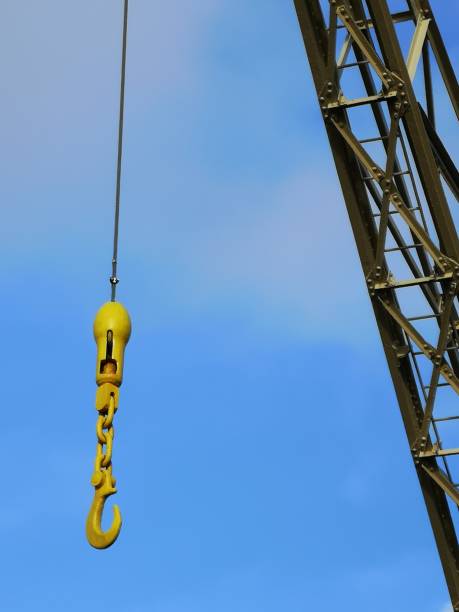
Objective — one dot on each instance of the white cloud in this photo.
(60, 83)
(283, 252)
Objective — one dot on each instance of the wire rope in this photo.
(114, 280)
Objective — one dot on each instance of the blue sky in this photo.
(261, 460)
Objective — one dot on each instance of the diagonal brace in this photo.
(376, 172)
(417, 43)
(428, 350)
(388, 78)
(442, 480)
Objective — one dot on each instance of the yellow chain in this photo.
(106, 405)
(102, 478)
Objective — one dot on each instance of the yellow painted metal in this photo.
(112, 328)
(104, 484)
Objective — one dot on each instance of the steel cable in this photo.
(114, 280)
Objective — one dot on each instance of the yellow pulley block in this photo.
(112, 329)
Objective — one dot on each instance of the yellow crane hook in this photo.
(104, 484)
(112, 328)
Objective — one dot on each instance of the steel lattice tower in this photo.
(397, 181)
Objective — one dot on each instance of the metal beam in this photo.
(416, 46)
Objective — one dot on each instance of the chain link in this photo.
(106, 405)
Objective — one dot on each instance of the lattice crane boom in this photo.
(397, 181)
